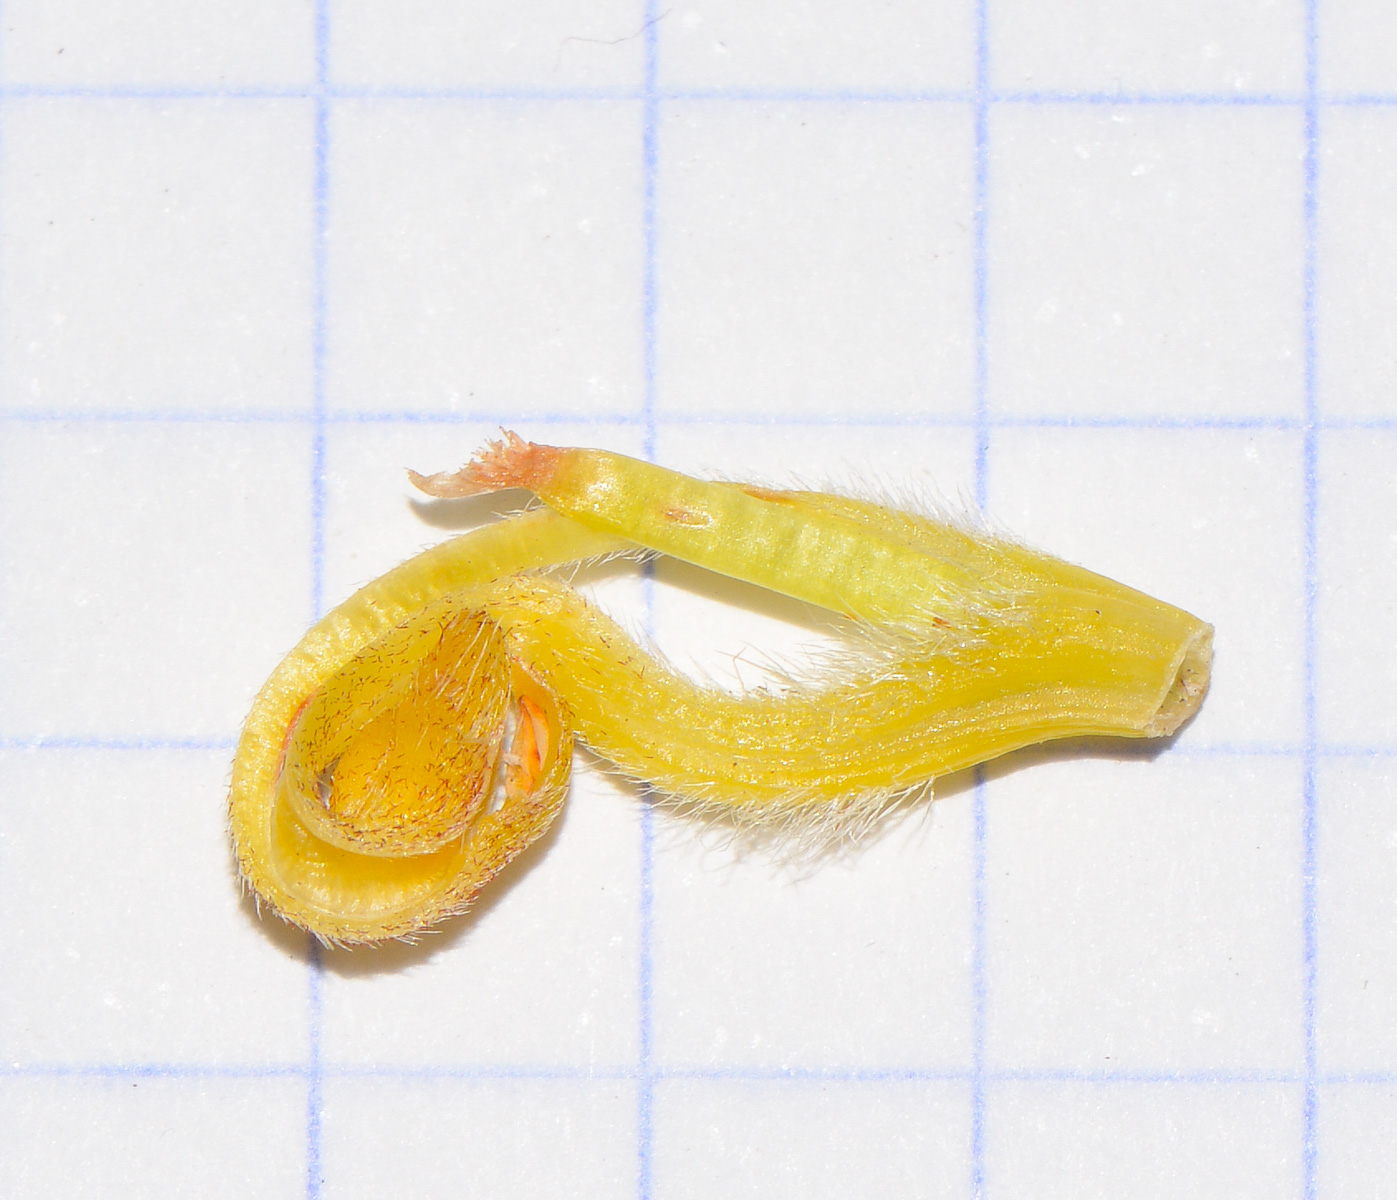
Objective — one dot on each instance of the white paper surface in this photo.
(1124, 275)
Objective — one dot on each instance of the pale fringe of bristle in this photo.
(792, 829)
(411, 938)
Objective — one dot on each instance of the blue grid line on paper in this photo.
(645, 1003)
(76, 416)
(309, 417)
(979, 986)
(116, 91)
(1165, 99)
(734, 95)
(174, 92)
(498, 1072)
(319, 306)
(1349, 750)
(972, 421)
(856, 96)
(152, 1070)
(650, 134)
(118, 743)
(314, 1068)
(979, 950)
(315, 967)
(981, 402)
(502, 416)
(1310, 933)
(1358, 100)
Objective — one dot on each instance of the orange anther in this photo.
(529, 750)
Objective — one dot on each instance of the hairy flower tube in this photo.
(420, 736)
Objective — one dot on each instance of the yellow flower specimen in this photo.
(420, 736)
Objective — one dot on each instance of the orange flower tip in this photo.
(510, 462)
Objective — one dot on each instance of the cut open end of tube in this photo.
(1185, 694)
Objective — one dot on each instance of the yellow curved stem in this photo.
(1104, 662)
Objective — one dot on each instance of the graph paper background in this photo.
(1125, 275)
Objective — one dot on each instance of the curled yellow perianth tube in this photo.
(420, 736)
